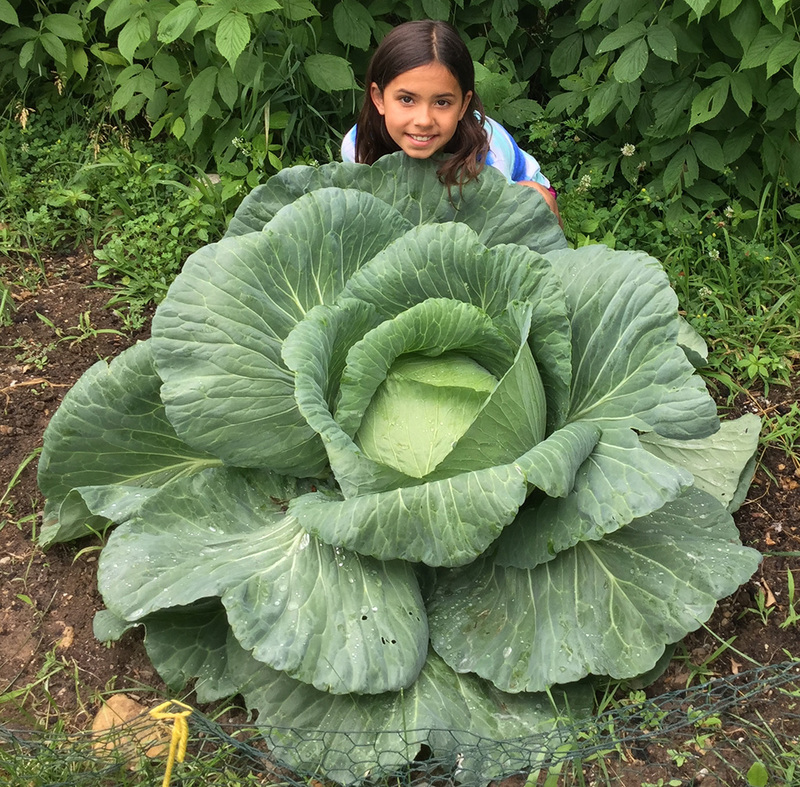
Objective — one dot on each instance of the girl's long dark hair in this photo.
(407, 46)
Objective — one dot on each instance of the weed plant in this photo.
(6, 305)
(91, 183)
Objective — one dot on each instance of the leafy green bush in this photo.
(206, 74)
(703, 96)
(395, 462)
(277, 76)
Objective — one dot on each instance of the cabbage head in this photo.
(399, 465)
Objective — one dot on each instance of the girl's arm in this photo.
(548, 197)
(517, 165)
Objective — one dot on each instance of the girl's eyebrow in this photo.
(415, 95)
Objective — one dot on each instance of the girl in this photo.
(421, 99)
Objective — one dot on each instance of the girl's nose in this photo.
(423, 117)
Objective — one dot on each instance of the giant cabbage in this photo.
(396, 461)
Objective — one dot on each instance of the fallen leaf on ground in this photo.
(770, 598)
(123, 725)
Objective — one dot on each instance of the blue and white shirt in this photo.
(504, 155)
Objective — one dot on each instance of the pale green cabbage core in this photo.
(422, 409)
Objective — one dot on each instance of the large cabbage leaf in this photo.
(396, 461)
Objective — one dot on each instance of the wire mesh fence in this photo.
(736, 730)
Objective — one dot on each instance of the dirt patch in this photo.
(48, 599)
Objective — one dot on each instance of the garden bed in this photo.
(52, 668)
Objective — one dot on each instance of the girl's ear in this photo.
(377, 97)
(464, 104)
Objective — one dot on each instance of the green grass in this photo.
(59, 757)
(41, 743)
(6, 502)
(675, 737)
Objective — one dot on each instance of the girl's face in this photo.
(421, 108)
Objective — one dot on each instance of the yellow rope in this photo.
(180, 733)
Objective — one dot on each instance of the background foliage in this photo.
(702, 94)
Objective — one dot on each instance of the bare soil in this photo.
(48, 599)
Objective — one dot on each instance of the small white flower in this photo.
(627, 149)
(729, 212)
(585, 183)
(714, 254)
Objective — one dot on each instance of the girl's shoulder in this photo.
(497, 131)
(507, 156)
(349, 145)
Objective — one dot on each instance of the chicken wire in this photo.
(710, 733)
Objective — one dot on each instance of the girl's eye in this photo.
(405, 100)
(443, 102)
